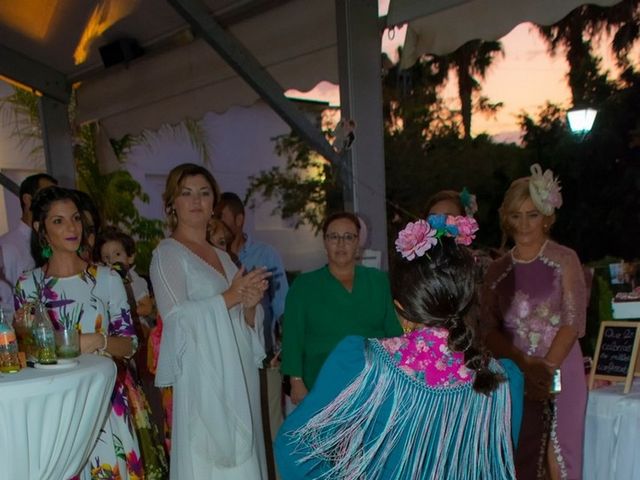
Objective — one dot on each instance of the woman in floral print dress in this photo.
(93, 300)
(534, 305)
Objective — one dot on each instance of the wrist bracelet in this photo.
(296, 378)
(104, 346)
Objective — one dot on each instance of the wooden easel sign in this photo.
(616, 353)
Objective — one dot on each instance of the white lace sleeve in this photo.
(167, 274)
(255, 334)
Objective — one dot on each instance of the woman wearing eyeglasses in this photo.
(328, 304)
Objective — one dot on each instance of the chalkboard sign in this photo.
(616, 353)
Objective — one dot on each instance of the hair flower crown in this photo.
(544, 189)
(417, 238)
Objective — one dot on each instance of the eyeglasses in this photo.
(345, 237)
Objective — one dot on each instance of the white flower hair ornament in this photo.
(417, 238)
(544, 189)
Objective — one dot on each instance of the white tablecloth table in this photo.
(50, 419)
(612, 434)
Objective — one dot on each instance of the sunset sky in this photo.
(524, 79)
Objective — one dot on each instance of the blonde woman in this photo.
(534, 306)
(211, 342)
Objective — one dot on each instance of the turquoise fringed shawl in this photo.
(387, 425)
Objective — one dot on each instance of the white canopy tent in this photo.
(192, 80)
(441, 26)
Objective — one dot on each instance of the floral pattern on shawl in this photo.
(424, 355)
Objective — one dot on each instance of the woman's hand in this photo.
(246, 287)
(538, 376)
(298, 390)
(19, 316)
(252, 294)
(91, 342)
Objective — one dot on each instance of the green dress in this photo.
(319, 312)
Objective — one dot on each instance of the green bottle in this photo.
(43, 336)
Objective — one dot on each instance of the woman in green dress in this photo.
(326, 305)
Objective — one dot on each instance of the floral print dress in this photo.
(529, 302)
(94, 301)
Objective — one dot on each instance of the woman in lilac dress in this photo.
(534, 302)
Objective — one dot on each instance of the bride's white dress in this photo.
(211, 357)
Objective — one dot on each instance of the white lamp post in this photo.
(581, 120)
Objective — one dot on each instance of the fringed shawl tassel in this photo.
(385, 416)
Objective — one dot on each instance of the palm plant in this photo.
(574, 34)
(471, 62)
(21, 111)
(114, 193)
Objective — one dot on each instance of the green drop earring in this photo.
(47, 252)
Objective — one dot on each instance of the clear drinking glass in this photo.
(67, 343)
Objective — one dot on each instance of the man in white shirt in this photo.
(15, 245)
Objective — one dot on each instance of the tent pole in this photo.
(359, 59)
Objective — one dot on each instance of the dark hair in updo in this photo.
(438, 290)
(40, 207)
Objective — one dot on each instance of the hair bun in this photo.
(460, 335)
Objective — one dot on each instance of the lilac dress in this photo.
(529, 302)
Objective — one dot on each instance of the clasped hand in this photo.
(538, 375)
(248, 288)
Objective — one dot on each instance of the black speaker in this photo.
(123, 50)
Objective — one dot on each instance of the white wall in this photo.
(241, 145)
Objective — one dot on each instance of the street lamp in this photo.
(581, 120)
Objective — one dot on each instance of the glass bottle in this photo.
(23, 327)
(43, 335)
(9, 361)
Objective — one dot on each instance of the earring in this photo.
(47, 252)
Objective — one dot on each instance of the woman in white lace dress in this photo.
(211, 343)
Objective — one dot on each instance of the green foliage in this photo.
(575, 35)
(114, 193)
(470, 62)
(600, 175)
(21, 111)
(304, 189)
(485, 168)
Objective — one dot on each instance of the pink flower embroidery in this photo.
(423, 354)
(415, 239)
(392, 345)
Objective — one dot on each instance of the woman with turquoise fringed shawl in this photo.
(430, 404)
